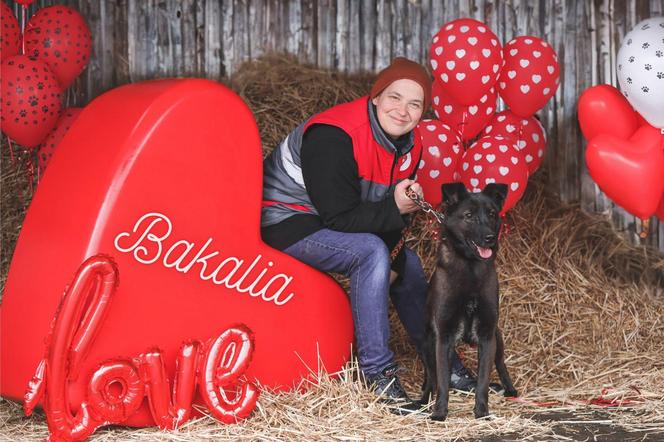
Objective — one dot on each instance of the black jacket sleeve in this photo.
(331, 177)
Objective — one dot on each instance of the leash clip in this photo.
(425, 206)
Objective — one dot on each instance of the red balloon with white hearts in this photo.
(528, 135)
(466, 57)
(60, 37)
(468, 121)
(494, 159)
(441, 151)
(530, 75)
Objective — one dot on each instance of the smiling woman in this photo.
(334, 197)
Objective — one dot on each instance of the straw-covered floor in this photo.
(581, 311)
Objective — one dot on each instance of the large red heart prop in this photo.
(603, 110)
(630, 172)
(172, 190)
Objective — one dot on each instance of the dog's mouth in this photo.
(483, 252)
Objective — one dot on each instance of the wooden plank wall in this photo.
(144, 39)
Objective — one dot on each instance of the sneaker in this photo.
(388, 388)
(462, 380)
(386, 384)
(407, 409)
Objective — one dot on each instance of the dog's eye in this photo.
(468, 215)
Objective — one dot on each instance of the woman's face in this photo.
(399, 107)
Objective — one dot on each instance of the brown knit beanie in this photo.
(402, 68)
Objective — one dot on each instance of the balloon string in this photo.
(506, 226)
(14, 160)
(463, 124)
(30, 169)
(645, 228)
(24, 9)
(11, 152)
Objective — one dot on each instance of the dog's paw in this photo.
(481, 411)
(510, 393)
(438, 416)
(425, 400)
(422, 404)
(495, 387)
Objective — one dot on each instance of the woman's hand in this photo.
(404, 203)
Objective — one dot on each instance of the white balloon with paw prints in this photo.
(641, 69)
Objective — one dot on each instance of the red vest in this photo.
(283, 197)
(374, 162)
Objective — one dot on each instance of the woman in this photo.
(334, 197)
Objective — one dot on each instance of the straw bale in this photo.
(581, 312)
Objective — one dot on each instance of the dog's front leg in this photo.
(444, 349)
(429, 359)
(486, 350)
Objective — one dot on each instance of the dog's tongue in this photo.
(484, 253)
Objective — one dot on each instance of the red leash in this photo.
(599, 401)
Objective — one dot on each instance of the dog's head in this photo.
(472, 219)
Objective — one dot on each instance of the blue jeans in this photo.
(364, 257)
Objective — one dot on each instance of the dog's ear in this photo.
(497, 192)
(453, 193)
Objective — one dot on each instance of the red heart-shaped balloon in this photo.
(660, 209)
(603, 110)
(630, 172)
(172, 191)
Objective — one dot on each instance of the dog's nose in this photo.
(490, 238)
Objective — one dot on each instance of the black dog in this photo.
(462, 302)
